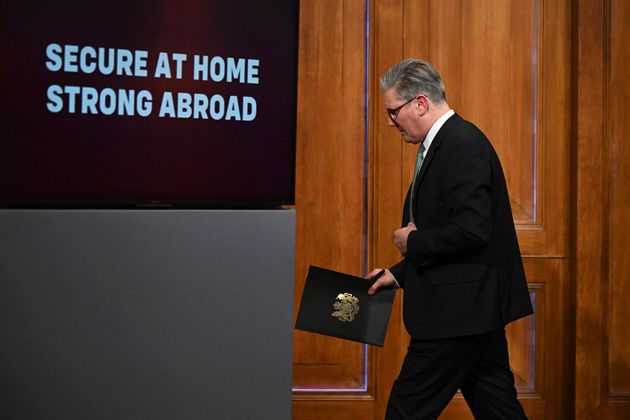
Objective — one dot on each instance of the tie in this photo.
(419, 160)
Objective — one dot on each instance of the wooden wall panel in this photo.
(330, 194)
(619, 187)
(602, 266)
(590, 205)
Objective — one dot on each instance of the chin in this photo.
(407, 138)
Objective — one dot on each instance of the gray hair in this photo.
(413, 76)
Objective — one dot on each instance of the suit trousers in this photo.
(433, 371)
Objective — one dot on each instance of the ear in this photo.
(422, 105)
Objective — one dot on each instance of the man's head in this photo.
(414, 97)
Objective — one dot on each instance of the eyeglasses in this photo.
(393, 113)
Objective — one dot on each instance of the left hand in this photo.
(401, 235)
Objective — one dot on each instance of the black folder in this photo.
(338, 305)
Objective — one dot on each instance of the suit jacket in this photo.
(463, 273)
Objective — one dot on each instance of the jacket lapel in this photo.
(433, 150)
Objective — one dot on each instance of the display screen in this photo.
(187, 103)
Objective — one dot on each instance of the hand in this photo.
(386, 280)
(401, 235)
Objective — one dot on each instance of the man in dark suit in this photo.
(461, 269)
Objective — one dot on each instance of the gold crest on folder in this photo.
(346, 307)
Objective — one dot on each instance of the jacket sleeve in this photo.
(398, 270)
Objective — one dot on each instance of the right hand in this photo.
(386, 280)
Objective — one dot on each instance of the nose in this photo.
(391, 122)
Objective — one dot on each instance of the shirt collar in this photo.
(434, 130)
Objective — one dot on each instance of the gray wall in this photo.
(148, 314)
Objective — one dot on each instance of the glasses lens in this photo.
(393, 113)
